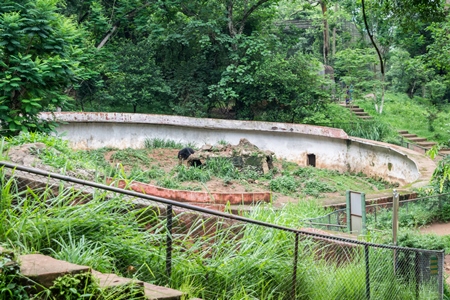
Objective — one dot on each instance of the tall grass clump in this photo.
(371, 130)
(212, 257)
(155, 143)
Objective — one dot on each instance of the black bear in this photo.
(184, 153)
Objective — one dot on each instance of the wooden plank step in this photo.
(357, 109)
(44, 270)
(365, 117)
(361, 113)
(403, 131)
(152, 292)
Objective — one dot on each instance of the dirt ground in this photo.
(166, 159)
(437, 228)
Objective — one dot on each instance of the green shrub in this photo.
(222, 167)
(304, 172)
(284, 184)
(192, 174)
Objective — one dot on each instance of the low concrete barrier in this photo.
(322, 147)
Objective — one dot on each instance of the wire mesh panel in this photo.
(412, 212)
(335, 221)
(202, 252)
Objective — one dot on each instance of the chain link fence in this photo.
(207, 253)
(412, 212)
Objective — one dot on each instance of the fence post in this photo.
(441, 259)
(363, 213)
(366, 256)
(395, 202)
(349, 225)
(169, 243)
(417, 271)
(294, 271)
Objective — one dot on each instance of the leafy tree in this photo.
(406, 74)
(287, 89)
(38, 51)
(134, 79)
(356, 67)
(382, 19)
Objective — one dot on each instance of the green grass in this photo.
(212, 258)
(416, 115)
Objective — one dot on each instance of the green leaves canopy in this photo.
(38, 50)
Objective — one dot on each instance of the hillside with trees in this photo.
(288, 61)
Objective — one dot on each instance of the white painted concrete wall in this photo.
(332, 147)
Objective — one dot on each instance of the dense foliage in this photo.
(255, 60)
(40, 56)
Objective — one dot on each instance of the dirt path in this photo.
(437, 228)
(440, 229)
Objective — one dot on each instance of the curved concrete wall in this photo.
(331, 147)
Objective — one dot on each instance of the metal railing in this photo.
(204, 247)
(335, 220)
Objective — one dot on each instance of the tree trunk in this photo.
(383, 89)
(379, 109)
(333, 46)
(326, 35)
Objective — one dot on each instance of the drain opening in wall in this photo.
(311, 160)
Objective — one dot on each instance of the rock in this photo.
(26, 154)
(206, 147)
(244, 155)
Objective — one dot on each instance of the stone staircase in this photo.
(422, 143)
(357, 111)
(44, 270)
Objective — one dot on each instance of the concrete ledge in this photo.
(194, 197)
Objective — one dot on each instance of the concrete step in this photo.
(45, 269)
(444, 151)
(417, 139)
(112, 280)
(154, 292)
(409, 135)
(427, 144)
